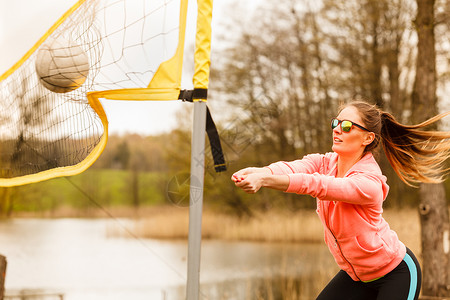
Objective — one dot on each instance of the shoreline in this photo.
(172, 222)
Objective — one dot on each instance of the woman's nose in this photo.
(337, 129)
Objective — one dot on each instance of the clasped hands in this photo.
(250, 180)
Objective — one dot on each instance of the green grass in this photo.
(108, 188)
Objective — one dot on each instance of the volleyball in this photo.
(62, 65)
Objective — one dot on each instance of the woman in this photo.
(350, 190)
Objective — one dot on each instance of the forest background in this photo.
(277, 80)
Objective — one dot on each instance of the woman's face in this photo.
(355, 141)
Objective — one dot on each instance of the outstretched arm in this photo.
(275, 176)
(251, 183)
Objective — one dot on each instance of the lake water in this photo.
(82, 260)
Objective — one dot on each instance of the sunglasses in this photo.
(345, 125)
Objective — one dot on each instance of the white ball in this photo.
(61, 65)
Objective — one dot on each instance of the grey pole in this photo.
(196, 200)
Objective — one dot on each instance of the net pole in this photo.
(201, 81)
(196, 201)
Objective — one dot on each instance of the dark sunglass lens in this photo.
(334, 123)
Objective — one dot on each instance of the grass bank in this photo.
(168, 222)
(83, 193)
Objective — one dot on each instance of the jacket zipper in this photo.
(336, 244)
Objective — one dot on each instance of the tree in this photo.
(434, 217)
(122, 156)
(278, 75)
(22, 114)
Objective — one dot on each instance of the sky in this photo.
(23, 22)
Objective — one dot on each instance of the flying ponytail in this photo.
(415, 155)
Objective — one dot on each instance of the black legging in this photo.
(402, 283)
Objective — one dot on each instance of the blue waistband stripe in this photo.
(413, 272)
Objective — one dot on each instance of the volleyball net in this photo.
(51, 120)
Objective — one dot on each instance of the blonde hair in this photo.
(415, 155)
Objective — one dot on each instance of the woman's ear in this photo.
(370, 137)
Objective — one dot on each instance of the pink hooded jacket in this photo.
(350, 209)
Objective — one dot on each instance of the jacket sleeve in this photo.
(308, 164)
(356, 188)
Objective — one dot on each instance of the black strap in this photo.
(214, 141)
(211, 130)
(189, 95)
